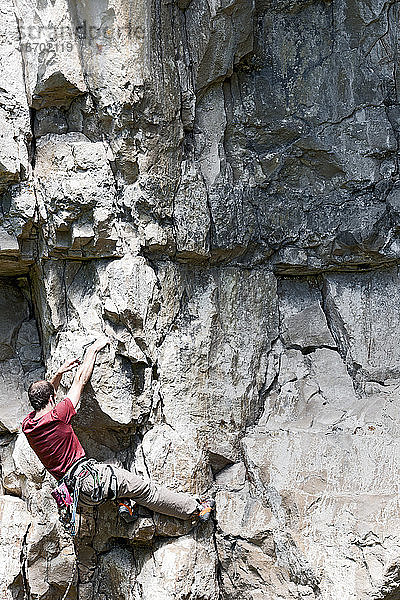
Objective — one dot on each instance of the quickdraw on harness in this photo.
(86, 470)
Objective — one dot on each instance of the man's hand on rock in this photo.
(85, 370)
(100, 343)
(69, 365)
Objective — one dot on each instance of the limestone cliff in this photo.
(214, 186)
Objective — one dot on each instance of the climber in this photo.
(51, 436)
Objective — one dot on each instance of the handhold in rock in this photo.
(56, 90)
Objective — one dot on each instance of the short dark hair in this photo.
(39, 393)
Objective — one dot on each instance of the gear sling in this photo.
(71, 483)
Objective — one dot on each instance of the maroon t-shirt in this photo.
(53, 439)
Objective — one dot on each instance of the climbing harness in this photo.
(68, 492)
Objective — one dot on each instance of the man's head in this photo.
(40, 393)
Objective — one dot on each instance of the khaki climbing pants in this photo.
(120, 483)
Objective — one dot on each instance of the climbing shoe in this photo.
(127, 512)
(205, 509)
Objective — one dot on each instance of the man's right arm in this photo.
(85, 370)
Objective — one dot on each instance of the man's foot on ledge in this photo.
(205, 509)
(127, 512)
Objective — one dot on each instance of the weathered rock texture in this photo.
(215, 187)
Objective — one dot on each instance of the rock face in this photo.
(215, 187)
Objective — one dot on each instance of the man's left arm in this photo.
(67, 366)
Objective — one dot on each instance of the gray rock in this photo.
(15, 520)
(303, 321)
(14, 111)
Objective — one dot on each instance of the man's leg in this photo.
(146, 493)
(157, 498)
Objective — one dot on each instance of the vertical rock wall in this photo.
(215, 187)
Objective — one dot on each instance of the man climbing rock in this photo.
(51, 436)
